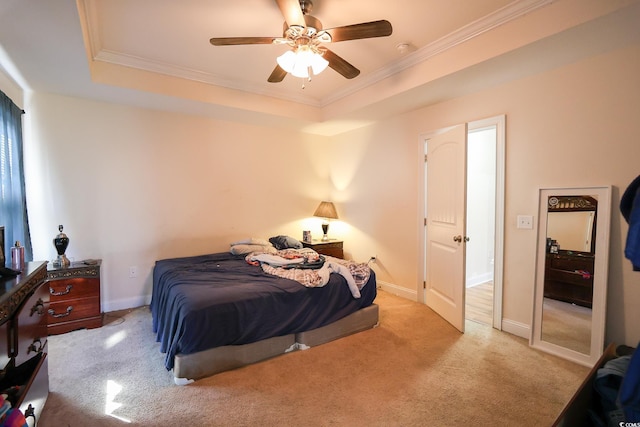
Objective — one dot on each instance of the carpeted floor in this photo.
(412, 370)
(567, 325)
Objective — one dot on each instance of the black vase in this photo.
(61, 242)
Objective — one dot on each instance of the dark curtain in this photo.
(13, 202)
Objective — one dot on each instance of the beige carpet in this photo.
(412, 370)
(567, 325)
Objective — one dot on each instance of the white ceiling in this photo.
(174, 36)
(56, 44)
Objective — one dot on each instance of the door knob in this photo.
(459, 238)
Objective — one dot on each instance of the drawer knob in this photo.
(38, 308)
(30, 412)
(35, 346)
(65, 292)
(52, 312)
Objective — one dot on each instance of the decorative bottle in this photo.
(17, 257)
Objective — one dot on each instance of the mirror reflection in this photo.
(569, 271)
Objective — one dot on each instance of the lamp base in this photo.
(325, 230)
(62, 261)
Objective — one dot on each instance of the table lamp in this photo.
(327, 211)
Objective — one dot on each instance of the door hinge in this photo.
(424, 284)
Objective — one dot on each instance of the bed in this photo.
(216, 312)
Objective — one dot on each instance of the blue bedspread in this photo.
(214, 300)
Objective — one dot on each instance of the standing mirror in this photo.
(571, 272)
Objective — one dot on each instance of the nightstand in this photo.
(330, 247)
(74, 293)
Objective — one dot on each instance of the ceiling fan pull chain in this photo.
(307, 79)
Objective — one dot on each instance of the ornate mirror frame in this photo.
(600, 274)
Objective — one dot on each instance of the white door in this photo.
(446, 205)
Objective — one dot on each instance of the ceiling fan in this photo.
(305, 35)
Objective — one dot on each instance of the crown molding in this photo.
(88, 14)
(145, 64)
(512, 11)
(500, 17)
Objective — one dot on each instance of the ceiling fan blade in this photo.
(277, 75)
(230, 41)
(292, 12)
(361, 31)
(340, 65)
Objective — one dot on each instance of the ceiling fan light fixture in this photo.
(302, 62)
(305, 34)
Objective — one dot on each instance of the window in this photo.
(13, 204)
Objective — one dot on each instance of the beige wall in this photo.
(573, 126)
(132, 186)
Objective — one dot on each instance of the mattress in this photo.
(209, 301)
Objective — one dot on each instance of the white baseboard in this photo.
(521, 330)
(125, 303)
(411, 294)
(516, 328)
(479, 279)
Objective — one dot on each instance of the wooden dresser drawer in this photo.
(66, 311)
(70, 289)
(74, 293)
(570, 277)
(572, 263)
(32, 402)
(330, 248)
(32, 324)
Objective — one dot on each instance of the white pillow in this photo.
(240, 249)
(252, 241)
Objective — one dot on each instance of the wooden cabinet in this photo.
(331, 247)
(74, 293)
(31, 321)
(569, 277)
(23, 340)
(576, 412)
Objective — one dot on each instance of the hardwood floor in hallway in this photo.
(479, 303)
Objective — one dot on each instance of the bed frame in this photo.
(190, 367)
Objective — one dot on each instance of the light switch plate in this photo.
(525, 221)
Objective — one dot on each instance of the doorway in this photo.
(480, 286)
(480, 221)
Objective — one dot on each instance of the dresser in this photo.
(585, 399)
(326, 247)
(23, 340)
(74, 293)
(569, 277)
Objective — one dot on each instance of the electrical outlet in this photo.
(133, 272)
(525, 221)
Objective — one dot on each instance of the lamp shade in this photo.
(326, 210)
